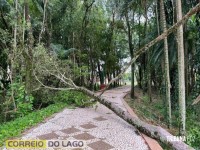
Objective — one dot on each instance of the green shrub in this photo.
(43, 98)
(193, 137)
(23, 102)
(73, 98)
(16, 127)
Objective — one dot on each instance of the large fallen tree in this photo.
(152, 131)
(155, 132)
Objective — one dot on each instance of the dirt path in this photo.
(101, 129)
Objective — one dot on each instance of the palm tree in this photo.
(181, 69)
(167, 76)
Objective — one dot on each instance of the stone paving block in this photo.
(88, 126)
(108, 113)
(84, 136)
(70, 130)
(100, 145)
(48, 136)
(100, 118)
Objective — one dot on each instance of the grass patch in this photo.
(152, 113)
(16, 127)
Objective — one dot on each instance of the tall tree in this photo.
(27, 52)
(131, 52)
(181, 69)
(167, 76)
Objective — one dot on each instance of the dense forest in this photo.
(48, 48)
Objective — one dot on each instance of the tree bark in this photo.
(181, 70)
(12, 55)
(167, 74)
(186, 63)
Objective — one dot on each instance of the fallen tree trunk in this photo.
(152, 131)
(153, 42)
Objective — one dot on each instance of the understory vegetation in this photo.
(155, 113)
(14, 128)
(31, 112)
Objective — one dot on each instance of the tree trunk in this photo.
(181, 70)
(27, 53)
(186, 63)
(12, 55)
(114, 75)
(167, 74)
(101, 77)
(140, 77)
(43, 22)
(192, 74)
(149, 90)
(131, 53)
(133, 81)
(157, 18)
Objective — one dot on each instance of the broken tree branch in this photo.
(153, 42)
(197, 100)
(52, 88)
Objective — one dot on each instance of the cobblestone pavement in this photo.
(101, 129)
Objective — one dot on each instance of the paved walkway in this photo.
(101, 129)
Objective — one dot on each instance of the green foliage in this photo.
(193, 136)
(145, 98)
(193, 126)
(73, 98)
(43, 97)
(24, 102)
(96, 87)
(196, 89)
(16, 127)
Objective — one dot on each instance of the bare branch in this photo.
(51, 88)
(59, 77)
